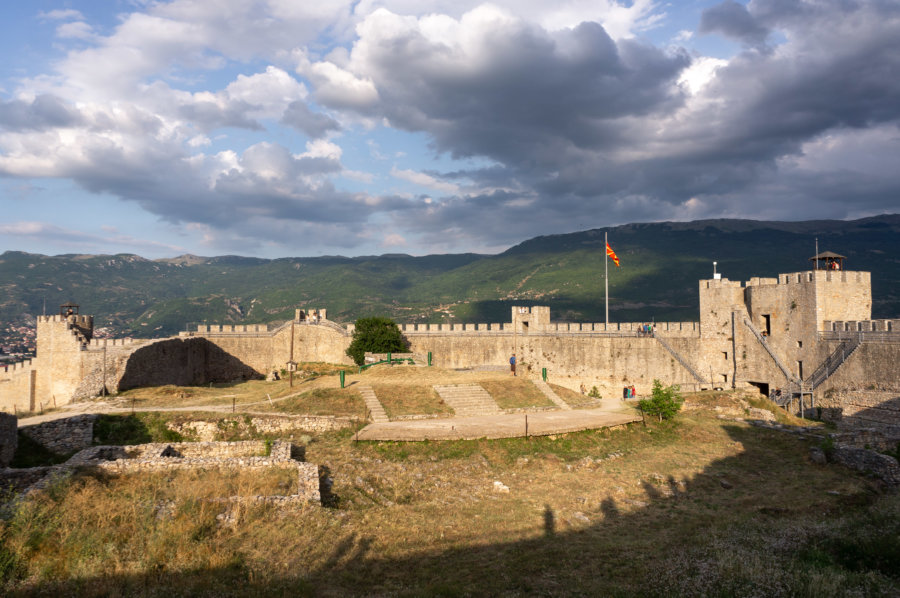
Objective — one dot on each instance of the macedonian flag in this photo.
(612, 255)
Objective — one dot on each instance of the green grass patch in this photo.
(516, 393)
(408, 399)
(137, 428)
(320, 401)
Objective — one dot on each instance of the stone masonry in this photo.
(183, 455)
(772, 333)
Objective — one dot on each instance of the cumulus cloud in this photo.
(232, 120)
(42, 112)
(314, 124)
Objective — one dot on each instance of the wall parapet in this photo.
(99, 343)
(232, 328)
(808, 276)
(670, 329)
(862, 326)
(19, 366)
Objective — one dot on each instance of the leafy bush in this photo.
(664, 402)
(595, 393)
(376, 335)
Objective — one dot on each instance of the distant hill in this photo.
(660, 266)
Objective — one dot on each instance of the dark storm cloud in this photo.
(44, 112)
(581, 125)
(533, 95)
(314, 124)
(733, 20)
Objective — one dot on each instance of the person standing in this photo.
(512, 365)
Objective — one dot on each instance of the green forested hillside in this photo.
(660, 266)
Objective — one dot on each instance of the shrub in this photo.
(664, 402)
(376, 335)
(594, 393)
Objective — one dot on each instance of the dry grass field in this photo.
(700, 506)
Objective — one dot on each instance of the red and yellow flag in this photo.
(612, 255)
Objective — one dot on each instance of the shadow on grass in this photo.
(748, 524)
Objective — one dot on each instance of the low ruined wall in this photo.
(9, 438)
(209, 430)
(882, 466)
(18, 480)
(252, 454)
(63, 435)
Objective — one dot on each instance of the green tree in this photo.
(377, 335)
(664, 401)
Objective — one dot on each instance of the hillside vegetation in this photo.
(661, 264)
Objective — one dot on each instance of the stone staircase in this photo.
(376, 411)
(468, 400)
(834, 361)
(762, 341)
(548, 392)
(684, 362)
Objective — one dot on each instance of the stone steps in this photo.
(548, 392)
(468, 400)
(376, 411)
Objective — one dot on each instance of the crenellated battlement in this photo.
(18, 367)
(99, 343)
(820, 276)
(232, 329)
(79, 320)
(794, 278)
(720, 283)
(679, 329)
(862, 326)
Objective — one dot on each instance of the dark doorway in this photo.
(762, 386)
(767, 324)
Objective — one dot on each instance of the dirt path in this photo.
(499, 426)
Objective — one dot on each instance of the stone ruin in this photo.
(251, 454)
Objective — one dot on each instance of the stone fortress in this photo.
(805, 338)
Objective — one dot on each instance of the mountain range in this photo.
(660, 266)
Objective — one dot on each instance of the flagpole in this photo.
(606, 277)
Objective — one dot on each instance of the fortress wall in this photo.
(232, 329)
(606, 361)
(182, 362)
(264, 352)
(865, 391)
(789, 307)
(17, 387)
(752, 363)
(862, 326)
(666, 329)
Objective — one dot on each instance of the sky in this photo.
(277, 128)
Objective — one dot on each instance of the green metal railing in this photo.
(389, 361)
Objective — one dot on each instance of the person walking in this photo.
(512, 365)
